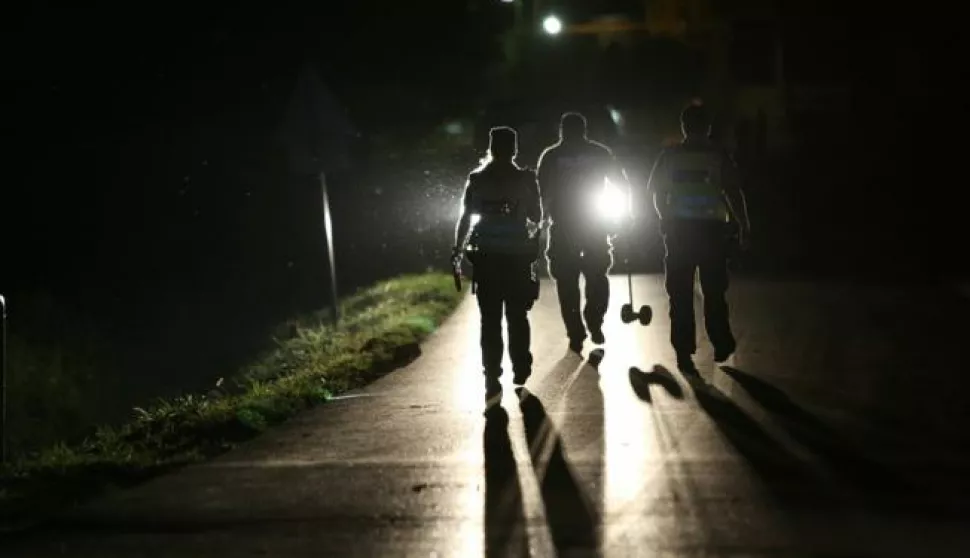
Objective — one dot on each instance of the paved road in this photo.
(613, 456)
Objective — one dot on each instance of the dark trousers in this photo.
(569, 255)
(504, 285)
(693, 247)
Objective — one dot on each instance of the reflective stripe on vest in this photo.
(501, 230)
(501, 236)
(695, 186)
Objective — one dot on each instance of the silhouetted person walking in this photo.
(572, 172)
(503, 248)
(698, 197)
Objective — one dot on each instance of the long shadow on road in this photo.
(789, 481)
(641, 381)
(880, 486)
(584, 426)
(505, 523)
(573, 522)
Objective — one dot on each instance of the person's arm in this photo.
(615, 171)
(534, 208)
(544, 181)
(465, 221)
(533, 204)
(657, 186)
(734, 197)
(617, 176)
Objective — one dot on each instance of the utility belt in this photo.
(497, 265)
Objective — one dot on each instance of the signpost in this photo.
(318, 136)
(3, 379)
(328, 233)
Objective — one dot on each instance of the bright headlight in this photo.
(611, 203)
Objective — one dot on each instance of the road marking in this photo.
(354, 396)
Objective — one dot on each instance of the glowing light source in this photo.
(454, 128)
(611, 204)
(616, 116)
(552, 25)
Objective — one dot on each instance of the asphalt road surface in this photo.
(835, 433)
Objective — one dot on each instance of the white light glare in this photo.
(611, 204)
(616, 116)
(552, 25)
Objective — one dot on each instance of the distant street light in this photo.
(552, 25)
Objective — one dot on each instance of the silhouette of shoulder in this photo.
(549, 151)
(481, 176)
(595, 145)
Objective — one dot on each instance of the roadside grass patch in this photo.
(312, 360)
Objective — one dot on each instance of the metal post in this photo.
(519, 20)
(3, 379)
(328, 232)
(513, 41)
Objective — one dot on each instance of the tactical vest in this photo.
(695, 189)
(501, 228)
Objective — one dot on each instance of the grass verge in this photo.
(311, 362)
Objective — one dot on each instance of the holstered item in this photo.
(456, 272)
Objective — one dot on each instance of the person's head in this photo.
(572, 126)
(503, 144)
(695, 121)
